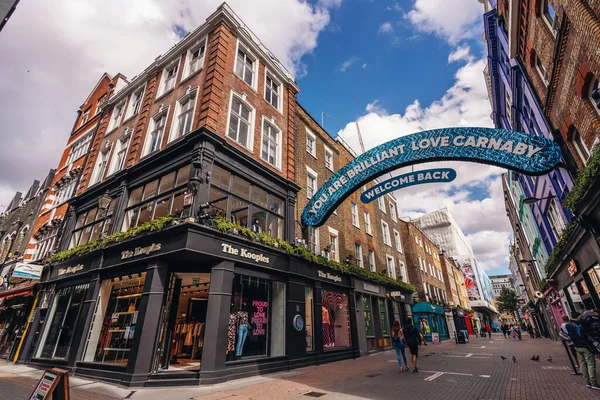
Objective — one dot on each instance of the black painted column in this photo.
(295, 344)
(353, 323)
(290, 220)
(85, 319)
(143, 347)
(122, 194)
(67, 229)
(318, 328)
(217, 320)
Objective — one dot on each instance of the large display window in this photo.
(368, 315)
(62, 321)
(115, 317)
(308, 320)
(383, 316)
(256, 320)
(336, 320)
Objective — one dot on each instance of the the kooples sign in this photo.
(331, 277)
(140, 251)
(70, 270)
(242, 252)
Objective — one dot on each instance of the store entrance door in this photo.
(184, 319)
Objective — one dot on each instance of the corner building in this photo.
(176, 265)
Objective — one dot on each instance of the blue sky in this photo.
(394, 67)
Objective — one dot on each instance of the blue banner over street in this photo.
(405, 180)
(530, 155)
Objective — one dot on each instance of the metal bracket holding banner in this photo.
(406, 180)
(517, 151)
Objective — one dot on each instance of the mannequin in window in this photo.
(256, 228)
(328, 328)
(242, 329)
(232, 328)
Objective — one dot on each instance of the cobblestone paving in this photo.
(447, 371)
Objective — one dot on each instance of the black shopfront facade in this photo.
(189, 304)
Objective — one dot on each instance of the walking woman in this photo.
(411, 338)
(398, 344)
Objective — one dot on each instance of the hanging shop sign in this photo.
(406, 180)
(398, 294)
(27, 271)
(141, 251)
(298, 323)
(572, 268)
(243, 252)
(530, 155)
(331, 277)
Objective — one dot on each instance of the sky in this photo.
(395, 67)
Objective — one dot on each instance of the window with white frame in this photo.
(65, 192)
(311, 143)
(431, 270)
(154, 137)
(393, 213)
(184, 115)
(402, 266)
(358, 256)
(426, 291)
(421, 263)
(115, 117)
(245, 66)
(46, 242)
(386, 233)
(80, 147)
(85, 117)
(312, 239)
(169, 76)
(334, 251)
(311, 182)
(580, 147)
(367, 218)
(354, 212)
(381, 203)
(135, 103)
(372, 263)
(550, 16)
(100, 166)
(541, 70)
(508, 105)
(328, 158)
(594, 95)
(241, 118)
(194, 59)
(416, 239)
(119, 153)
(271, 144)
(554, 217)
(391, 267)
(398, 241)
(272, 91)
(101, 101)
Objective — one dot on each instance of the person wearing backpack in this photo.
(411, 338)
(587, 362)
(398, 344)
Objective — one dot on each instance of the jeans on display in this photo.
(587, 363)
(400, 352)
(241, 339)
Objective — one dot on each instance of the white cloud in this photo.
(475, 198)
(347, 64)
(364, 66)
(451, 20)
(386, 27)
(462, 53)
(54, 52)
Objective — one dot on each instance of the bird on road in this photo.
(535, 358)
(514, 359)
(550, 359)
(502, 357)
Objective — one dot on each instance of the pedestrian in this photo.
(411, 338)
(488, 330)
(505, 330)
(482, 332)
(587, 362)
(530, 330)
(422, 340)
(398, 343)
(564, 336)
(513, 332)
(591, 323)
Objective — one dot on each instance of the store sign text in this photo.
(140, 251)
(70, 270)
(331, 277)
(242, 252)
(259, 317)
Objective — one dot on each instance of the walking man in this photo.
(411, 338)
(587, 362)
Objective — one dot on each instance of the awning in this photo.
(20, 291)
(425, 307)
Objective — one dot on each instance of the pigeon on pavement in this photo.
(514, 359)
(502, 357)
(550, 359)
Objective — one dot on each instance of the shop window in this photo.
(62, 322)
(368, 316)
(308, 317)
(256, 320)
(245, 204)
(594, 274)
(93, 225)
(159, 198)
(115, 317)
(384, 318)
(336, 320)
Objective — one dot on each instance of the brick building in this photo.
(178, 249)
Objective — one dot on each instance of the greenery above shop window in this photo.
(150, 226)
(543, 286)
(584, 181)
(559, 248)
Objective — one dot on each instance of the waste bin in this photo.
(460, 337)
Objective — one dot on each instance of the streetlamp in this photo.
(104, 202)
(532, 200)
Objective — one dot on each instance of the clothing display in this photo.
(188, 339)
(242, 335)
(238, 323)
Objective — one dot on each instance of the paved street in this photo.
(471, 371)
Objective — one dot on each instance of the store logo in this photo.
(70, 270)
(331, 277)
(572, 268)
(298, 323)
(140, 251)
(242, 252)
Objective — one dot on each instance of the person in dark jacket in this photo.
(587, 362)
(411, 337)
(591, 324)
